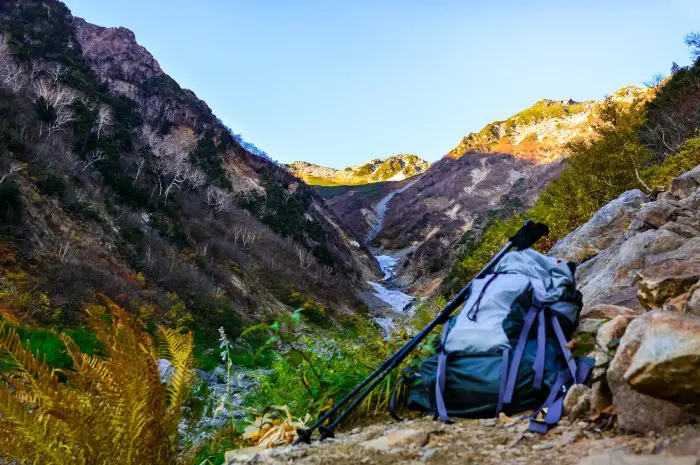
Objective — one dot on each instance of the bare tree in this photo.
(103, 121)
(220, 200)
(93, 157)
(11, 170)
(12, 75)
(305, 256)
(140, 162)
(60, 98)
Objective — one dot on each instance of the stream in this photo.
(399, 302)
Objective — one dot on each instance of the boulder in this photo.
(577, 401)
(686, 184)
(692, 306)
(682, 229)
(607, 340)
(607, 311)
(606, 226)
(665, 364)
(593, 318)
(636, 411)
(654, 215)
(657, 284)
(611, 276)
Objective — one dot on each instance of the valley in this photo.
(170, 293)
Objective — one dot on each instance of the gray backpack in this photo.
(505, 351)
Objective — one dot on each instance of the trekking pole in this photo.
(527, 235)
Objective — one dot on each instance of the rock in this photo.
(692, 306)
(686, 184)
(658, 284)
(611, 276)
(165, 367)
(620, 458)
(592, 318)
(606, 311)
(654, 215)
(577, 401)
(607, 339)
(681, 229)
(243, 455)
(400, 438)
(666, 362)
(636, 411)
(602, 230)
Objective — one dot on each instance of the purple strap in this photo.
(504, 377)
(565, 350)
(518, 355)
(554, 405)
(539, 354)
(440, 379)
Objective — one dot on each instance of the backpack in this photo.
(505, 351)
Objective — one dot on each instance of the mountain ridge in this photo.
(394, 168)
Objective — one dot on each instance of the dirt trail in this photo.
(487, 442)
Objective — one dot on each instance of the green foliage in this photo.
(475, 254)
(314, 312)
(687, 158)
(598, 171)
(312, 372)
(285, 211)
(47, 344)
(206, 155)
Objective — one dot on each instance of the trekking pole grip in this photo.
(528, 234)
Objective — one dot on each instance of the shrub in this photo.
(687, 158)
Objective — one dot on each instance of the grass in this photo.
(363, 190)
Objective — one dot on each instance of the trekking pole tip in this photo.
(303, 435)
(326, 432)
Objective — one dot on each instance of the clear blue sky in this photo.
(339, 82)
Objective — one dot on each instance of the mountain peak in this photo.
(541, 131)
(395, 168)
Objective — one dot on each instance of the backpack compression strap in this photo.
(555, 401)
(440, 378)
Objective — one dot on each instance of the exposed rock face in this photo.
(684, 185)
(116, 51)
(602, 230)
(666, 361)
(452, 202)
(636, 411)
(641, 254)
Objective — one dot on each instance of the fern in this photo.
(105, 410)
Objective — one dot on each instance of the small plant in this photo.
(103, 411)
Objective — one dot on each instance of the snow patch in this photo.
(400, 176)
(397, 300)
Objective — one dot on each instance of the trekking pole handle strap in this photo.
(528, 234)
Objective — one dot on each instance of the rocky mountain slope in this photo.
(394, 168)
(118, 181)
(496, 172)
(540, 132)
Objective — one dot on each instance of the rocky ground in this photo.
(490, 441)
